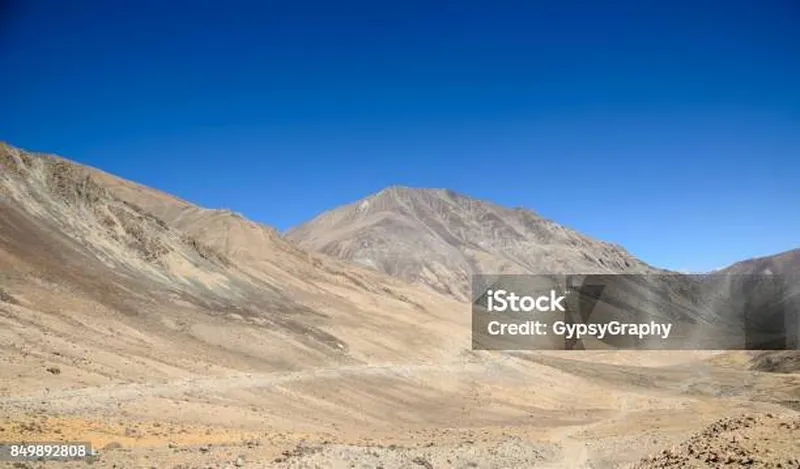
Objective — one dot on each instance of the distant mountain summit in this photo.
(784, 263)
(438, 238)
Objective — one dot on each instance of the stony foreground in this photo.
(750, 440)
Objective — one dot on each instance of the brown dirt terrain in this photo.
(171, 336)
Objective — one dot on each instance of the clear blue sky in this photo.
(672, 128)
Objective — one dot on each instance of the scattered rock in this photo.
(252, 444)
(6, 297)
(731, 442)
(420, 461)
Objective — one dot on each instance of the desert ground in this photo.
(553, 410)
(578, 409)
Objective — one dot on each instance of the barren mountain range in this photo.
(170, 335)
(439, 238)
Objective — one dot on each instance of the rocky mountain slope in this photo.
(83, 247)
(439, 238)
(785, 265)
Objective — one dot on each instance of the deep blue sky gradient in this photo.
(672, 128)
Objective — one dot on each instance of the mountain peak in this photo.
(396, 190)
(439, 237)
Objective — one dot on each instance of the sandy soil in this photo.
(493, 412)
